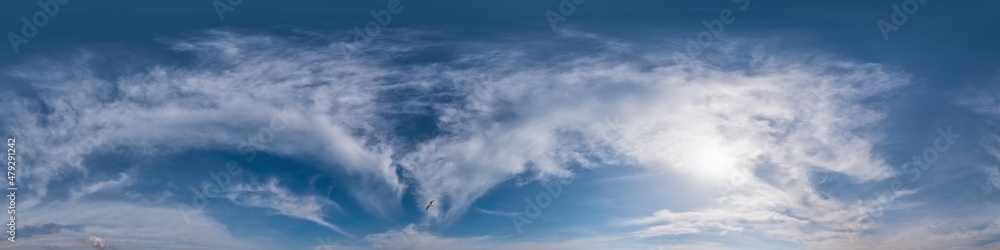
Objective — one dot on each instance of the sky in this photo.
(571, 124)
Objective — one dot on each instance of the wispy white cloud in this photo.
(123, 180)
(970, 231)
(282, 201)
(497, 212)
(507, 114)
(327, 103)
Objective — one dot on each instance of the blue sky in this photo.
(531, 124)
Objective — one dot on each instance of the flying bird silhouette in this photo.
(429, 205)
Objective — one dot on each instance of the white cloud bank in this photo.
(412, 237)
(118, 225)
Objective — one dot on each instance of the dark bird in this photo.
(429, 205)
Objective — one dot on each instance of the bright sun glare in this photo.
(710, 161)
